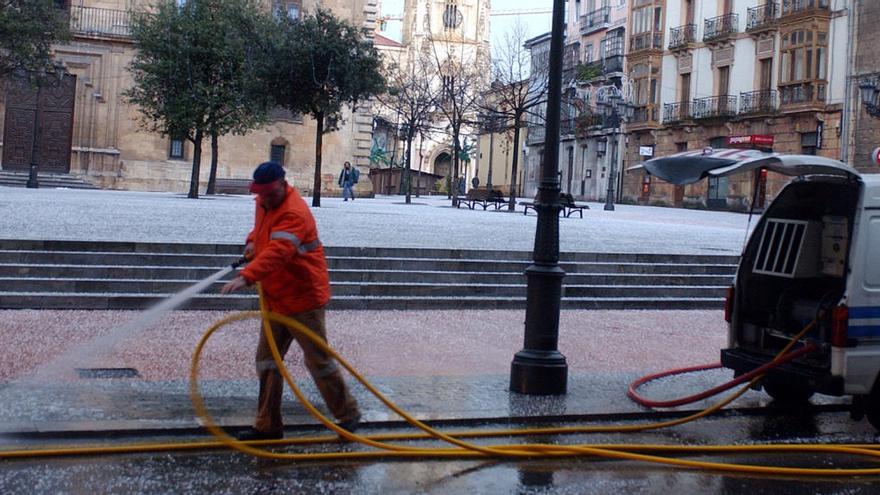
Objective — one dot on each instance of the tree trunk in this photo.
(319, 144)
(406, 172)
(196, 166)
(512, 205)
(212, 177)
(455, 150)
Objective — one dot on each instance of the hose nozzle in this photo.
(241, 261)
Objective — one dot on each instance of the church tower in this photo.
(439, 30)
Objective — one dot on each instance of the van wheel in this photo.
(872, 406)
(787, 393)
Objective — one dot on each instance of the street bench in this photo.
(232, 186)
(567, 202)
(482, 197)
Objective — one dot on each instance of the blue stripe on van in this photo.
(857, 331)
(864, 312)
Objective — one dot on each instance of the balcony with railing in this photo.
(645, 41)
(805, 93)
(758, 102)
(674, 113)
(714, 107)
(721, 27)
(682, 37)
(104, 23)
(762, 17)
(596, 20)
(612, 58)
(643, 116)
(804, 7)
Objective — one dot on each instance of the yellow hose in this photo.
(460, 448)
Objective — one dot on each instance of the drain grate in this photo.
(107, 372)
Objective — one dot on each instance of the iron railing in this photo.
(613, 64)
(721, 27)
(762, 101)
(93, 21)
(714, 107)
(595, 20)
(676, 112)
(682, 36)
(797, 94)
(644, 115)
(762, 17)
(646, 41)
(791, 7)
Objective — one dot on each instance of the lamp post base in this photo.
(609, 206)
(32, 182)
(536, 372)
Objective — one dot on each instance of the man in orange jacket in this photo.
(287, 258)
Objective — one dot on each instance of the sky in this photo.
(535, 24)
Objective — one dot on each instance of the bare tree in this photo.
(462, 76)
(517, 88)
(411, 96)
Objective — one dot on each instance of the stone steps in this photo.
(115, 275)
(11, 178)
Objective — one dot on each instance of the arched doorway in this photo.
(443, 164)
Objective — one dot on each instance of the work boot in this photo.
(350, 425)
(252, 434)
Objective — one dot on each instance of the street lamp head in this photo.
(868, 88)
(626, 110)
(601, 147)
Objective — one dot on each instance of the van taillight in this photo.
(839, 324)
(728, 304)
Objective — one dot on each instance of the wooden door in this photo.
(39, 119)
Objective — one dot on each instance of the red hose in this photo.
(632, 394)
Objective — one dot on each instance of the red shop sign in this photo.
(751, 140)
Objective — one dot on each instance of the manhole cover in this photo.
(107, 372)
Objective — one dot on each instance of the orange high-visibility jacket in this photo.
(288, 257)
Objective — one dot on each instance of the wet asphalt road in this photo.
(226, 472)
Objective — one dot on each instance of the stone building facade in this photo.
(767, 75)
(863, 129)
(108, 145)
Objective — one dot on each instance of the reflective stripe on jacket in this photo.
(288, 257)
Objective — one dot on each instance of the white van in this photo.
(814, 253)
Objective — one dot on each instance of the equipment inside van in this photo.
(813, 255)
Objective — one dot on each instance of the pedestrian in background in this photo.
(348, 177)
(287, 258)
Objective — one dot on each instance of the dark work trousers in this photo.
(323, 368)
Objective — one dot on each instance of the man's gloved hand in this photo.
(249, 251)
(234, 284)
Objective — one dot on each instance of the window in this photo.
(723, 81)
(588, 51)
(804, 54)
(452, 17)
(685, 88)
(766, 74)
(640, 79)
(641, 22)
(291, 9)
(175, 149)
(679, 147)
(276, 153)
(809, 143)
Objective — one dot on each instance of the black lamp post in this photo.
(616, 110)
(539, 368)
(869, 90)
